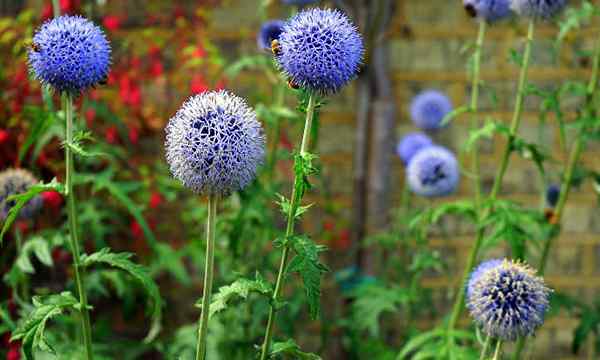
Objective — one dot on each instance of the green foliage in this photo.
(121, 261)
(42, 121)
(574, 18)
(434, 344)
(306, 263)
(303, 168)
(290, 349)
(239, 288)
(76, 146)
(371, 301)
(487, 131)
(37, 246)
(254, 62)
(31, 330)
(22, 199)
(454, 114)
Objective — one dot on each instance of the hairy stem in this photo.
(289, 231)
(208, 277)
(486, 345)
(575, 154)
(73, 230)
(514, 127)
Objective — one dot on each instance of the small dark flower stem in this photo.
(208, 277)
(289, 231)
(575, 154)
(73, 230)
(485, 348)
(514, 127)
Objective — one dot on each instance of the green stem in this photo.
(289, 231)
(486, 345)
(73, 230)
(56, 8)
(514, 127)
(474, 108)
(497, 351)
(208, 277)
(565, 189)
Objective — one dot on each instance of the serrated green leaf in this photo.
(31, 330)
(371, 301)
(292, 349)
(239, 288)
(22, 199)
(37, 246)
(306, 263)
(121, 261)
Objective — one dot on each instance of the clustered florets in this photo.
(433, 172)
(269, 31)
(214, 143)
(507, 300)
(320, 50)
(488, 10)
(13, 182)
(543, 9)
(70, 53)
(429, 108)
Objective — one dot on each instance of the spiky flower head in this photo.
(433, 172)
(13, 182)
(70, 53)
(320, 50)
(269, 31)
(544, 9)
(488, 10)
(479, 271)
(428, 109)
(508, 301)
(552, 194)
(410, 144)
(214, 143)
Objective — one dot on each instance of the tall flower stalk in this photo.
(73, 228)
(514, 127)
(574, 156)
(295, 202)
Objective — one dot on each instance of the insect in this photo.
(275, 47)
(292, 84)
(34, 47)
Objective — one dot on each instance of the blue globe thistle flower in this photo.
(428, 109)
(544, 9)
(433, 172)
(552, 194)
(488, 10)
(300, 2)
(13, 182)
(508, 301)
(478, 272)
(214, 143)
(411, 144)
(269, 31)
(70, 53)
(320, 50)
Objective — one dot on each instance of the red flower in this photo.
(14, 352)
(198, 84)
(90, 116)
(199, 53)
(4, 136)
(52, 199)
(112, 22)
(154, 51)
(61, 256)
(155, 200)
(111, 135)
(136, 230)
(156, 67)
(134, 134)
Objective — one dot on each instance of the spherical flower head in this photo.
(479, 271)
(544, 9)
(320, 50)
(552, 194)
(70, 53)
(433, 172)
(269, 31)
(508, 301)
(13, 182)
(488, 10)
(428, 109)
(214, 144)
(411, 144)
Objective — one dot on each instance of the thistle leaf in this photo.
(291, 349)
(40, 248)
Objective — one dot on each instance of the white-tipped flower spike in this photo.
(214, 143)
(544, 9)
(13, 182)
(508, 300)
(479, 271)
(433, 172)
